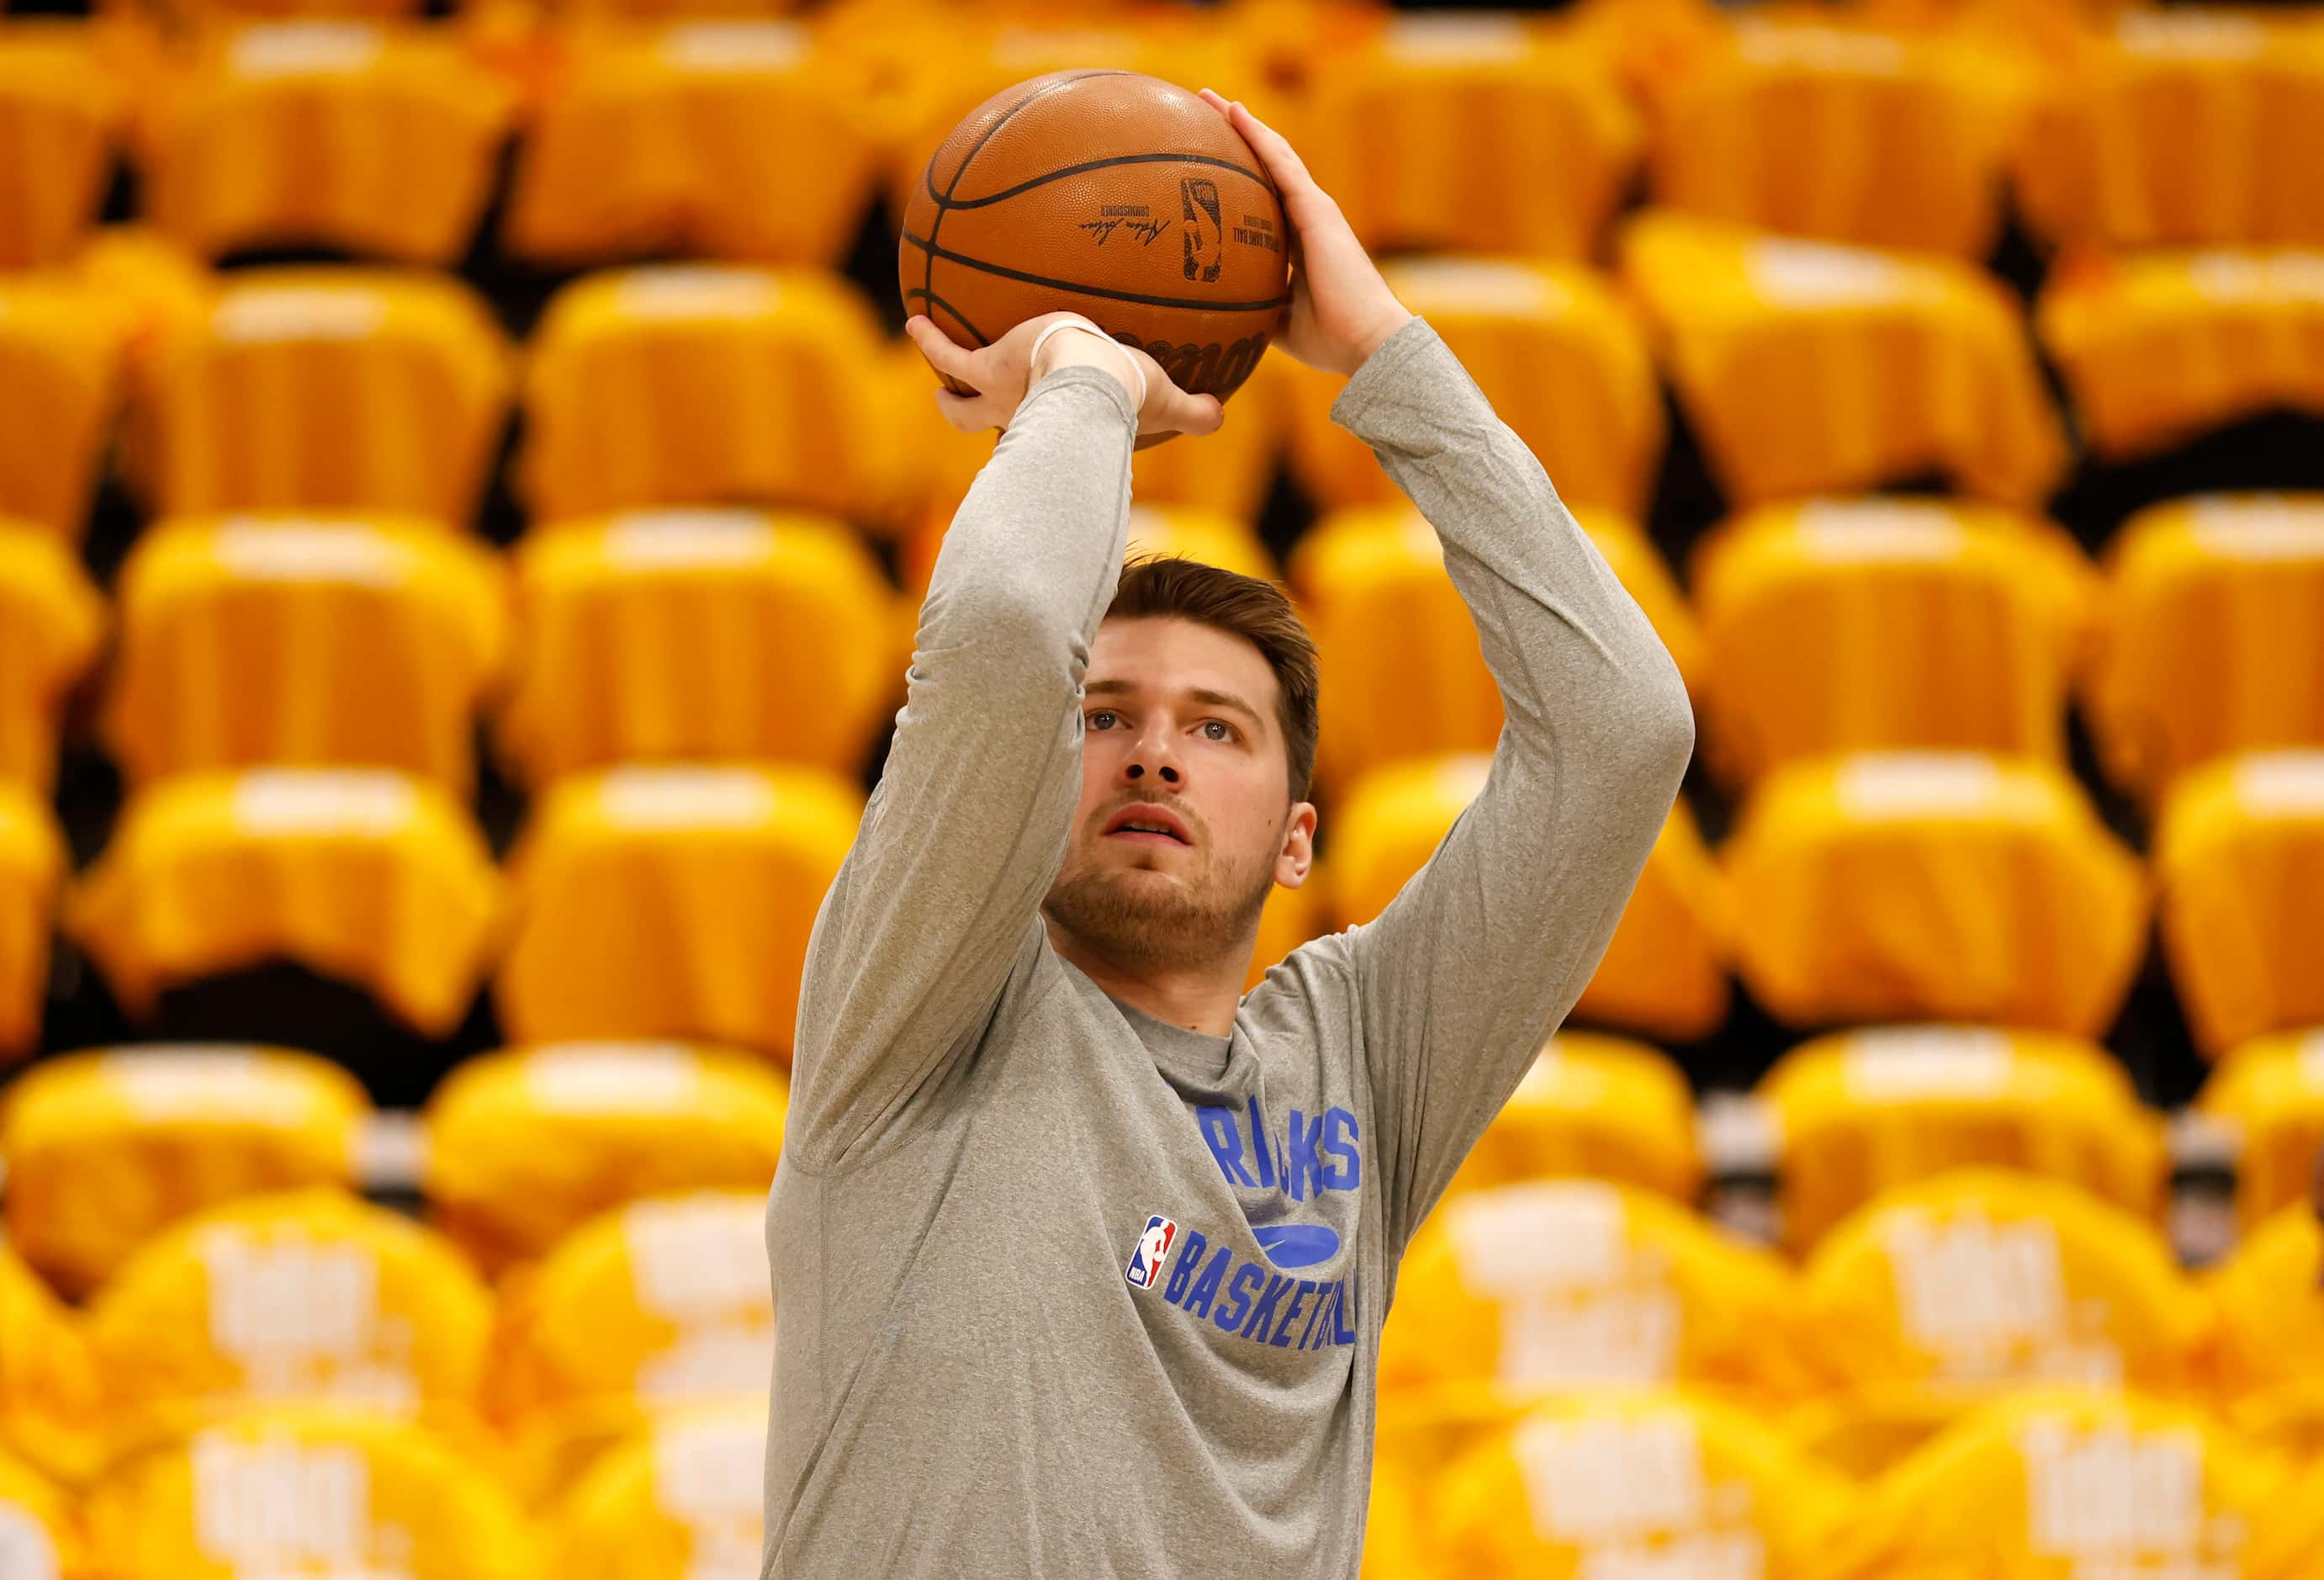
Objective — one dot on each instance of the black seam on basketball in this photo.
(958, 316)
(1107, 292)
(1118, 159)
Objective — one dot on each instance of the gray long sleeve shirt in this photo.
(1065, 1291)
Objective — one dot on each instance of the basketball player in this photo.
(1080, 1255)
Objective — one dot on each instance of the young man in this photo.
(1080, 1257)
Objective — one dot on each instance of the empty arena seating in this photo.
(2069, 1481)
(684, 1498)
(370, 140)
(1843, 132)
(248, 403)
(1868, 625)
(1609, 1485)
(50, 1394)
(1665, 973)
(1863, 1112)
(2271, 1091)
(307, 1297)
(1470, 132)
(40, 1535)
(2157, 349)
(2271, 1331)
(1807, 368)
(702, 385)
(55, 96)
(1575, 1284)
(366, 877)
(1951, 1293)
(2183, 126)
(2239, 867)
(51, 620)
(1593, 1107)
(722, 139)
(1906, 886)
(2214, 642)
(31, 872)
(527, 1145)
(105, 1150)
(658, 1305)
(697, 635)
(1395, 1534)
(307, 1491)
(1557, 351)
(304, 641)
(61, 377)
(671, 902)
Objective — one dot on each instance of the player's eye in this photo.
(1101, 718)
(1217, 729)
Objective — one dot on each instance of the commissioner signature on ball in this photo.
(1144, 230)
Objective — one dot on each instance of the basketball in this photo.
(1111, 194)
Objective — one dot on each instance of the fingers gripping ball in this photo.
(1111, 194)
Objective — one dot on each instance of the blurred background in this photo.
(463, 501)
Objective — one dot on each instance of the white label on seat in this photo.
(1885, 1064)
(302, 1319)
(1591, 1481)
(614, 1078)
(1484, 38)
(698, 291)
(732, 46)
(328, 800)
(2189, 35)
(224, 1082)
(1810, 274)
(1821, 49)
(2280, 278)
(1845, 531)
(697, 1259)
(26, 1551)
(1918, 784)
(1987, 1301)
(2281, 784)
(670, 538)
(2112, 1496)
(2260, 526)
(1042, 49)
(303, 49)
(685, 798)
(1554, 1234)
(266, 313)
(281, 1505)
(345, 551)
(1483, 285)
(709, 1472)
(718, 1361)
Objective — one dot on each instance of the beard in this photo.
(1139, 923)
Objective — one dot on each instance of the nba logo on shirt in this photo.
(1153, 1249)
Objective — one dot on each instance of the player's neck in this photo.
(1201, 998)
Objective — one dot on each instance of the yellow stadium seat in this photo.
(55, 97)
(32, 872)
(710, 636)
(672, 902)
(1471, 132)
(62, 373)
(50, 1394)
(1554, 1285)
(525, 1146)
(1403, 675)
(2158, 349)
(1807, 368)
(2289, 1531)
(1598, 1108)
(366, 877)
(1290, 918)
(1845, 133)
(1864, 1112)
(702, 385)
(308, 1491)
(309, 1296)
(2271, 1091)
(724, 139)
(664, 1303)
(380, 142)
(1653, 1484)
(1877, 624)
(2215, 628)
(683, 1501)
(1664, 973)
(51, 620)
(2180, 127)
(307, 642)
(251, 405)
(1557, 351)
(105, 1150)
(2067, 1483)
(2239, 867)
(1940, 886)
(1396, 1534)
(1941, 1296)
(40, 1536)
(2270, 1300)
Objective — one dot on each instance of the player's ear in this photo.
(1295, 856)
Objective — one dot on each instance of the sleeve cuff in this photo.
(1084, 376)
(1382, 371)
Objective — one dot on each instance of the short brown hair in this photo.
(1154, 586)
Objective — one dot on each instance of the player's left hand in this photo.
(1342, 311)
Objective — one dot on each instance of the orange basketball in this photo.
(1111, 194)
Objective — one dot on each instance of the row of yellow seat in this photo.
(687, 127)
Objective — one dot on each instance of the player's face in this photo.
(1181, 736)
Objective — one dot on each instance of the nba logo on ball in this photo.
(1144, 1269)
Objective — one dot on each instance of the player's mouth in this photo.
(1147, 825)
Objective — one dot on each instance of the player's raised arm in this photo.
(1481, 954)
(942, 890)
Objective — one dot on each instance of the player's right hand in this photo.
(1003, 372)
